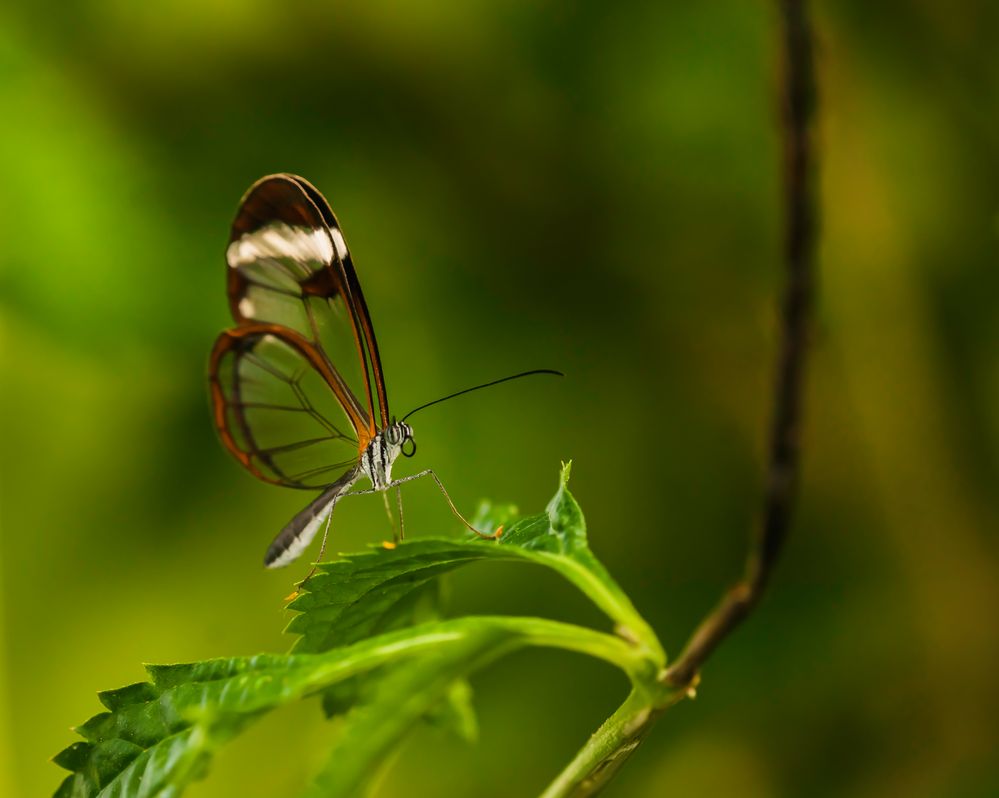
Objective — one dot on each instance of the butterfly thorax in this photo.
(377, 460)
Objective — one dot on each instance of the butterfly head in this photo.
(400, 434)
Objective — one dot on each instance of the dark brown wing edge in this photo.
(295, 201)
(357, 303)
(229, 340)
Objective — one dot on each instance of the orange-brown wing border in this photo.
(227, 342)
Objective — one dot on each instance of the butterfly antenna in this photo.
(485, 385)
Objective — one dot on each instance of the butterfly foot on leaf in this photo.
(494, 536)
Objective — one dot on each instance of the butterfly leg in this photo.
(322, 544)
(430, 473)
(322, 550)
(402, 523)
(388, 512)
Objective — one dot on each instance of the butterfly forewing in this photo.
(281, 405)
(289, 264)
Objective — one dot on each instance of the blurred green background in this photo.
(588, 186)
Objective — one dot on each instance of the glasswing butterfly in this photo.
(280, 401)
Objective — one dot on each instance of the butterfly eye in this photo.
(412, 447)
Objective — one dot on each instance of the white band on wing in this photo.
(279, 240)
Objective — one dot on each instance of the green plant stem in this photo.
(555, 634)
(611, 744)
(612, 601)
(519, 631)
(460, 647)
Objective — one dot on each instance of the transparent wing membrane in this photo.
(276, 412)
(289, 265)
(282, 404)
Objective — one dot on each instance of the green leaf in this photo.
(373, 730)
(159, 735)
(421, 605)
(361, 594)
(373, 645)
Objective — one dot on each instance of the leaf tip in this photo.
(566, 472)
(73, 757)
